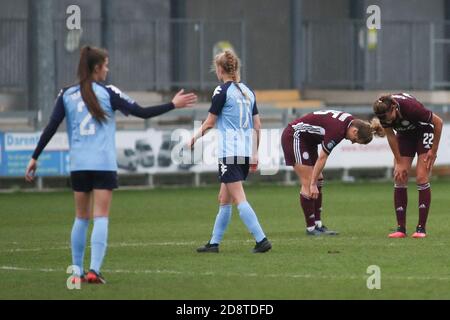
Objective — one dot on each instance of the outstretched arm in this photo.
(180, 100)
(120, 101)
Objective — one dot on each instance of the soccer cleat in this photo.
(263, 246)
(78, 279)
(315, 232)
(214, 248)
(94, 277)
(400, 233)
(322, 231)
(420, 232)
(327, 232)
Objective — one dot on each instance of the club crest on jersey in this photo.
(331, 144)
(305, 155)
(405, 123)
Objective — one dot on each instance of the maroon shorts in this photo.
(419, 141)
(297, 149)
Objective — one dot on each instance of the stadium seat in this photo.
(283, 99)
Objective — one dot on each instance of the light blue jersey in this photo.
(92, 143)
(235, 113)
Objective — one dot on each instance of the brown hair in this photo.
(383, 105)
(89, 58)
(231, 64)
(366, 130)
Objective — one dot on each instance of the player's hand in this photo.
(183, 100)
(31, 170)
(430, 158)
(254, 163)
(314, 191)
(400, 174)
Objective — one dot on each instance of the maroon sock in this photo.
(308, 210)
(318, 201)
(401, 202)
(424, 202)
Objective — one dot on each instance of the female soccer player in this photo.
(410, 128)
(89, 108)
(299, 141)
(234, 109)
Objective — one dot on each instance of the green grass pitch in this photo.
(154, 233)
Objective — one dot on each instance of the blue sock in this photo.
(221, 224)
(78, 243)
(99, 240)
(248, 216)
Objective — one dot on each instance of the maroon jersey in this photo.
(327, 127)
(413, 115)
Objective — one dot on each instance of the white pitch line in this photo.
(335, 243)
(235, 274)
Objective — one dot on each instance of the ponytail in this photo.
(230, 63)
(366, 130)
(89, 58)
(377, 128)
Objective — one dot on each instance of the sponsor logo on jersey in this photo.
(223, 168)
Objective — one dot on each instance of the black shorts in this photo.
(87, 180)
(233, 169)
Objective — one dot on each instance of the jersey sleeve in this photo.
(418, 113)
(255, 109)
(218, 100)
(56, 118)
(119, 100)
(330, 140)
(413, 110)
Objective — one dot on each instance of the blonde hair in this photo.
(231, 64)
(367, 129)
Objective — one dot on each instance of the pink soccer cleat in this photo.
(420, 233)
(397, 234)
(400, 233)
